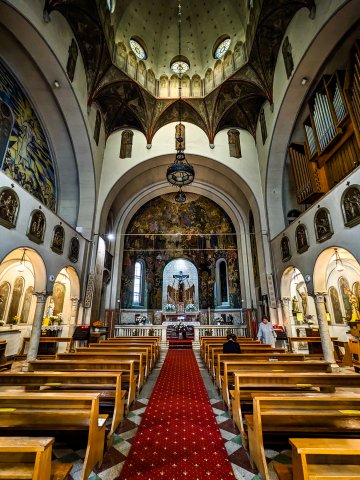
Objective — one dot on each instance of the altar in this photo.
(183, 322)
(176, 317)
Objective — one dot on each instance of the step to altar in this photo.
(180, 344)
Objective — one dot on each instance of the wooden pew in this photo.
(330, 458)
(219, 347)
(108, 385)
(29, 458)
(204, 340)
(137, 358)
(156, 341)
(36, 412)
(4, 364)
(68, 340)
(230, 367)
(342, 353)
(304, 415)
(218, 369)
(316, 340)
(127, 368)
(147, 350)
(247, 383)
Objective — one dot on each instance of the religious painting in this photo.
(323, 228)
(126, 144)
(57, 244)
(15, 298)
(9, 207)
(4, 296)
(234, 143)
(254, 254)
(285, 249)
(287, 56)
(58, 296)
(196, 85)
(72, 58)
(346, 297)
(198, 230)
(74, 250)
(335, 303)
(97, 127)
(301, 238)
(351, 206)
(356, 290)
(24, 317)
(6, 124)
(179, 136)
(27, 158)
(263, 128)
(37, 227)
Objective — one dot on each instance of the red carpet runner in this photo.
(178, 437)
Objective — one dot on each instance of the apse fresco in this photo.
(163, 230)
(27, 159)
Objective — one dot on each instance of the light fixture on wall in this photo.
(21, 266)
(339, 265)
(180, 173)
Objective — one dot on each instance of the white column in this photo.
(75, 302)
(285, 305)
(36, 328)
(326, 342)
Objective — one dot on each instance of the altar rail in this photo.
(160, 330)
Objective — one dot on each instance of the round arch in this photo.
(31, 260)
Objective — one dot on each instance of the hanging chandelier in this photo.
(180, 173)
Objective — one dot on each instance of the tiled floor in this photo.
(116, 455)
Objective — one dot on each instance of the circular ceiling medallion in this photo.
(221, 46)
(179, 64)
(138, 47)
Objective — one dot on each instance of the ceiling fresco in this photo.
(125, 103)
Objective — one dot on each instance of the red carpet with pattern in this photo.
(178, 437)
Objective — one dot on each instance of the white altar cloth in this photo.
(174, 322)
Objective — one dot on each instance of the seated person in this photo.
(231, 346)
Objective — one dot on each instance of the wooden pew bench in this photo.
(38, 412)
(218, 348)
(247, 383)
(230, 367)
(322, 458)
(4, 364)
(243, 344)
(156, 341)
(68, 340)
(282, 417)
(108, 385)
(29, 458)
(218, 367)
(123, 349)
(127, 369)
(205, 340)
(137, 358)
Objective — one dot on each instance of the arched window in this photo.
(222, 288)
(138, 292)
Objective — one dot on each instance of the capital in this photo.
(319, 297)
(41, 296)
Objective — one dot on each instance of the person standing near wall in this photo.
(266, 333)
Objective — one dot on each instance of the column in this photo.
(285, 305)
(74, 310)
(326, 342)
(36, 328)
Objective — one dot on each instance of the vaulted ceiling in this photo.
(124, 103)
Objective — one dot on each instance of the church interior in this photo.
(171, 173)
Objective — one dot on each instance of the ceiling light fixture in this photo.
(56, 84)
(180, 173)
(21, 266)
(339, 265)
(304, 81)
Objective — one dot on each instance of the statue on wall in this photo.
(351, 206)
(57, 244)
(301, 239)
(74, 250)
(288, 58)
(37, 227)
(126, 144)
(9, 207)
(304, 302)
(295, 305)
(234, 143)
(180, 136)
(322, 225)
(285, 249)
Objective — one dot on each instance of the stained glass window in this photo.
(179, 67)
(138, 49)
(222, 48)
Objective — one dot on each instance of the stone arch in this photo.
(33, 261)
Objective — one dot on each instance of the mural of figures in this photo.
(24, 317)
(301, 239)
(57, 244)
(74, 250)
(126, 144)
(234, 143)
(356, 290)
(351, 206)
(180, 133)
(6, 124)
(4, 296)
(254, 255)
(37, 227)
(285, 249)
(27, 159)
(199, 231)
(58, 297)
(335, 302)
(323, 227)
(9, 207)
(345, 293)
(15, 298)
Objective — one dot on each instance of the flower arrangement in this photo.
(308, 319)
(14, 320)
(169, 307)
(97, 324)
(190, 307)
(1, 323)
